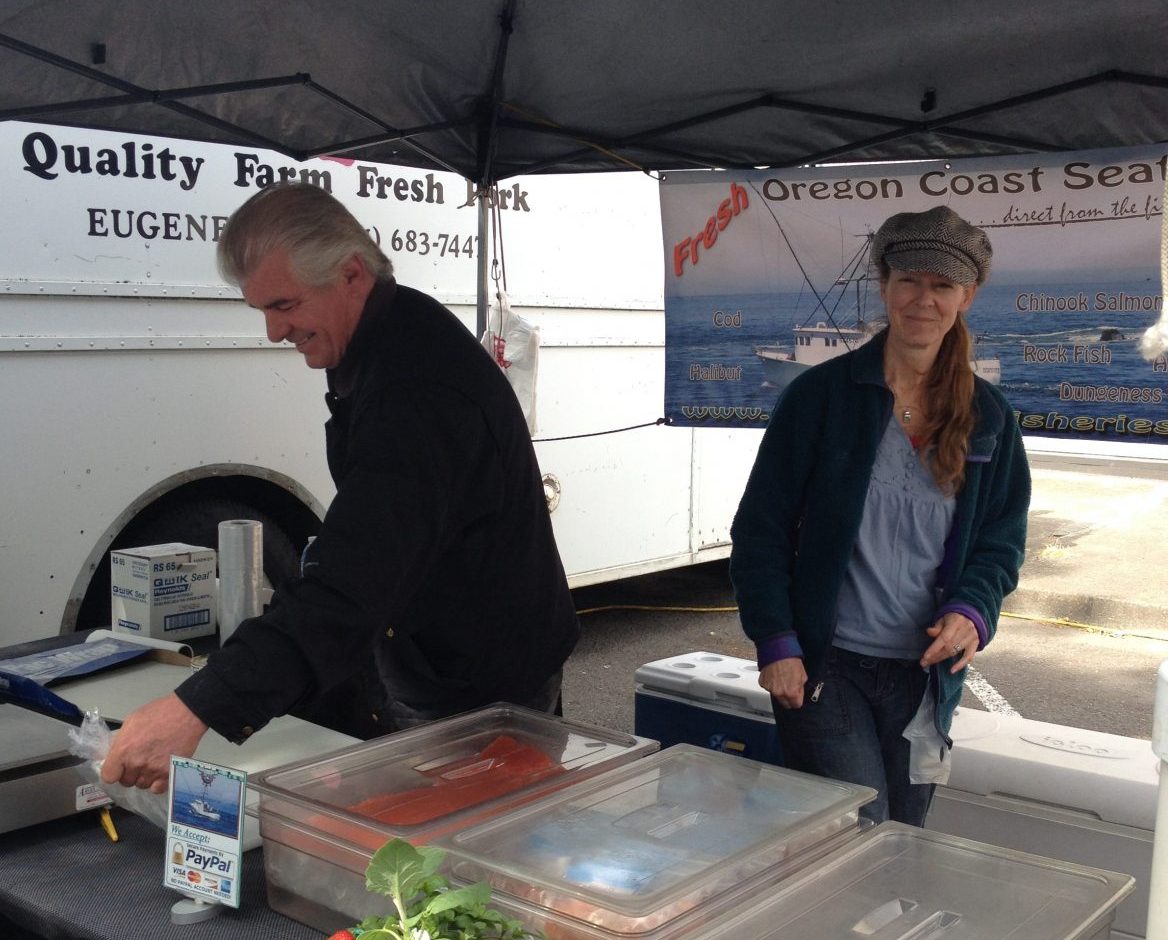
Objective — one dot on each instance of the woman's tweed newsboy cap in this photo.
(936, 242)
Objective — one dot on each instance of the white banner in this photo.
(767, 271)
(87, 207)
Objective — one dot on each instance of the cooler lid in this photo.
(544, 921)
(1109, 777)
(640, 845)
(898, 882)
(419, 783)
(708, 678)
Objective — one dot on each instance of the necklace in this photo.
(906, 415)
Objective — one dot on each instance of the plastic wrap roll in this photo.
(241, 573)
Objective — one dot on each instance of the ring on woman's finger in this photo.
(958, 650)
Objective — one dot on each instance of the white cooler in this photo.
(1066, 793)
(706, 699)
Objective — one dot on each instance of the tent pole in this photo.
(1158, 877)
(481, 288)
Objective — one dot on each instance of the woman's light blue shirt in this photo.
(887, 599)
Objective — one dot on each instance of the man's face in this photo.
(320, 321)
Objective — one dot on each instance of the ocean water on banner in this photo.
(1062, 349)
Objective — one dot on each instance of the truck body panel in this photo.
(133, 380)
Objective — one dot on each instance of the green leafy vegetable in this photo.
(427, 908)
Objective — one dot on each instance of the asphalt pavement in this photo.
(1095, 546)
(1079, 642)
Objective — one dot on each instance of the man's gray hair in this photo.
(318, 233)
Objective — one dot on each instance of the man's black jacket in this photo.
(437, 553)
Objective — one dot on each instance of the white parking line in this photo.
(987, 694)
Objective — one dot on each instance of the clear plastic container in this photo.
(322, 819)
(550, 924)
(898, 882)
(649, 842)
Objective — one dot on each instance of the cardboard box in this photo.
(163, 591)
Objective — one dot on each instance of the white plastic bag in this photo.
(1154, 342)
(929, 757)
(513, 343)
(91, 742)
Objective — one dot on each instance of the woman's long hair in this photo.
(952, 416)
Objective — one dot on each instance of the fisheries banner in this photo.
(767, 271)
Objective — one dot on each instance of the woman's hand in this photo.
(784, 679)
(954, 637)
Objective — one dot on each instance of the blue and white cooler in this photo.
(706, 699)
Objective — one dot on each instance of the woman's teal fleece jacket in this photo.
(798, 518)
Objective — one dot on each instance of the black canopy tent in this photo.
(495, 88)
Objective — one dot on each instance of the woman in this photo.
(882, 525)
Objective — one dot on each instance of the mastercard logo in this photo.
(194, 877)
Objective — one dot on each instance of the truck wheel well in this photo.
(192, 513)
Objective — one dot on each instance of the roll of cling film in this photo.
(241, 573)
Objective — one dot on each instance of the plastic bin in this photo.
(898, 882)
(1066, 793)
(551, 924)
(639, 846)
(709, 700)
(322, 819)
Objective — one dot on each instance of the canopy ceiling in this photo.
(496, 88)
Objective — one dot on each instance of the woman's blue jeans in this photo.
(853, 731)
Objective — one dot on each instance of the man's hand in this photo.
(785, 679)
(140, 753)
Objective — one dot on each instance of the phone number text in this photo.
(443, 244)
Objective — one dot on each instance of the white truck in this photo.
(140, 401)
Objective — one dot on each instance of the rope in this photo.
(799, 264)
(1058, 622)
(631, 427)
(849, 272)
(498, 254)
(1088, 627)
(540, 119)
(652, 607)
